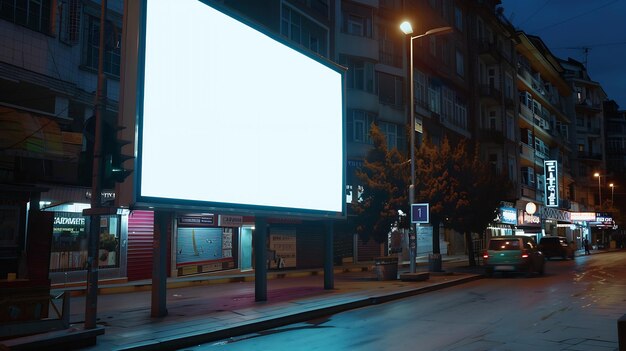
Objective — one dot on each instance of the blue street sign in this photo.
(419, 213)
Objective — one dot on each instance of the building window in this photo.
(528, 176)
(389, 52)
(390, 90)
(493, 120)
(448, 104)
(420, 89)
(512, 168)
(390, 131)
(69, 22)
(304, 31)
(360, 74)
(460, 64)
(508, 86)
(434, 98)
(357, 20)
(510, 127)
(493, 163)
(458, 18)
(113, 37)
(460, 113)
(361, 123)
(33, 14)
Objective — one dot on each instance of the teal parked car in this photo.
(517, 253)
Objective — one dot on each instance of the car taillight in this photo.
(485, 255)
(524, 254)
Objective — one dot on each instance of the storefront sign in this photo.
(106, 195)
(229, 221)
(196, 220)
(604, 218)
(527, 219)
(507, 215)
(551, 183)
(555, 214)
(583, 216)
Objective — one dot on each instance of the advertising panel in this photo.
(551, 184)
(259, 105)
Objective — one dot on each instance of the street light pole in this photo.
(407, 29)
(612, 190)
(599, 189)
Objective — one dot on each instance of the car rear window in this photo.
(501, 245)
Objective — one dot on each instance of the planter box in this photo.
(386, 268)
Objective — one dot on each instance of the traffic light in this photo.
(112, 157)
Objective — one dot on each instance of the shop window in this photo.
(69, 242)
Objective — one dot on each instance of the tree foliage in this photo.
(481, 191)
(384, 178)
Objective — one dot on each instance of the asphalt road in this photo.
(574, 306)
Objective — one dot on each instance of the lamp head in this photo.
(406, 27)
(596, 174)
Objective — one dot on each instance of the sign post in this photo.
(420, 213)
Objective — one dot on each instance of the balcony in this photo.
(491, 135)
(585, 155)
(589, 106)
(490, 93)
(489, 52)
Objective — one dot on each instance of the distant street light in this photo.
(599, 176)
(612, 190)
(407, 29)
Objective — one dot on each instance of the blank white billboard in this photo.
(232, 118)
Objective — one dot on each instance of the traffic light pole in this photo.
(91, 300)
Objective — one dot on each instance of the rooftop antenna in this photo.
(585, 50)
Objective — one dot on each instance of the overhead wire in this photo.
(586, 13)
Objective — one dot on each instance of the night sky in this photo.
(569, 26)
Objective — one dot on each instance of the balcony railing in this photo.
(589, 155)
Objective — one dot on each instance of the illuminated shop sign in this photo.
(583, 216)
(508, 215)
(604, 218)
(551, 183)
(524, 218)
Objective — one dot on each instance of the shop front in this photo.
(68, 253)
(207, 243)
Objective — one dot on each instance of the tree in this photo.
(384, 177)
(480, 191)
(435, 183)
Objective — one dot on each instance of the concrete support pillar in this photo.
(162, 221)
(329, 278)
(260, 259)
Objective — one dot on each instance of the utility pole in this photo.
(91, 300)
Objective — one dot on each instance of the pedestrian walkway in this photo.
(212, 307)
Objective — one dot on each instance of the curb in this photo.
(193, 339)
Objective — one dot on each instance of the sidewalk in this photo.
(216, 306)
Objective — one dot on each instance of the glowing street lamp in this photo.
(612, 190)
(407, 29)
(599, 176)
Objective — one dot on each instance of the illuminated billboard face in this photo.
(232, 118)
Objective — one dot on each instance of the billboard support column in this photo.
(158, 307)
(260, 259)
(328, 257)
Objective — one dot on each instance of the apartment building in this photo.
(545, 117)
(588, 156)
